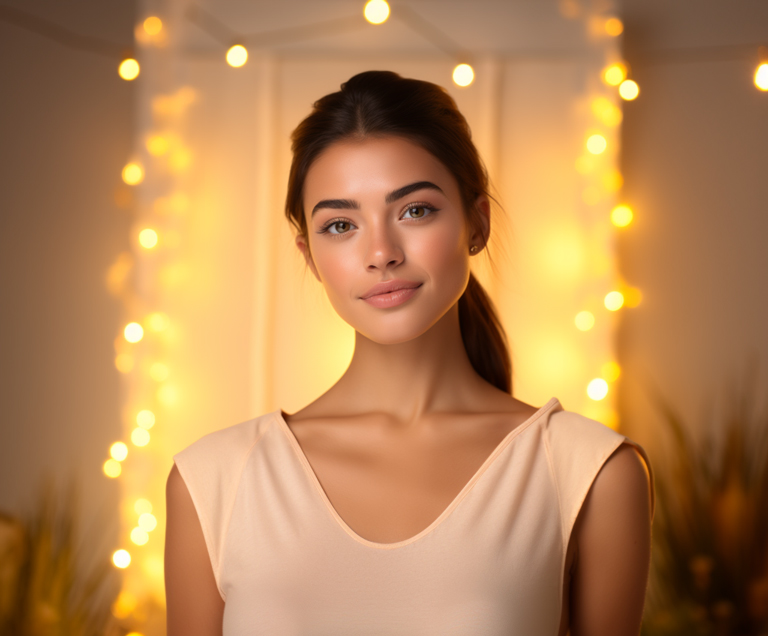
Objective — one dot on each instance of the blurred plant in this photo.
(710, 555)
(51, 585)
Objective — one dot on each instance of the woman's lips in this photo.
(393, 298)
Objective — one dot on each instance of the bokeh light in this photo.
(621, 215)
(133, 332)
(584, 320)
(145, 419)
(140, 437)
(614, 300)
(133, 173)
(121, 558)
(124, 362)
(376, 11)
(118, 451)
(632, 296)
(615, 74)
(597, 389)
(614, 27)
(629, 90)
(158, 321)
(142, 506)
(158, 372)
(112, 468)
(237, 55)
(761, 76)
(147, 522)
(153, 25)
(611, 371)
(148, 238)
(139, 536)
(128, 69)
(463, 75)
(596, 144)
(158, 145)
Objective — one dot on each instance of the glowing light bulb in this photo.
(615, 74)
(376, 11)
(611, 371)
(118, 451)
(158, 372)
(629, 90)
(148, 238)
(147, 522)
(621, 215)
(145, 419)
(597, 389)
(584, 320)
(237, 55)
(153, 25)
(761, 76)
(121, 558)
(596, 144)
(133, 332)
(614, 27)
(140, 437)
(112, 468)
(133, 173)
(614, 300)
(128, 69)
(463, 75)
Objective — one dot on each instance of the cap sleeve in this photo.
(211, 469)
(578, 447)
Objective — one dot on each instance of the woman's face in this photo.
(381, 213)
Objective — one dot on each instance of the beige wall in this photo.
(694, 162)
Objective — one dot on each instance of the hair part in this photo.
(383, 104)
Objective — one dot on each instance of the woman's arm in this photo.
(194, 605)
(613, 538)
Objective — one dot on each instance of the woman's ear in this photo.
(301, 243)
(481, 232)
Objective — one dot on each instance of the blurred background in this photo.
(151, 291)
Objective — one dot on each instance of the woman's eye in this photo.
(417, 212)
(339, 227)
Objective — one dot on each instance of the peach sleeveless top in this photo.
(491, 564)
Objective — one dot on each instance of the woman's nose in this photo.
(383, 249)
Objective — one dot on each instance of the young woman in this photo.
(416, 496)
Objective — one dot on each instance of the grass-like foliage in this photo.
(53, 582)
(710, 553)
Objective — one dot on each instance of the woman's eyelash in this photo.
(413, 206)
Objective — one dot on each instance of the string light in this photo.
(629, 90)
(153, 25)
(463, 75)
(118, 451)
(139, 536)
(140, 437)
(147, 522)
(615, 74)
(237, 55)
(145, 419)
(112, 468)
(128, 69)
(614, 300)
(621, 215)
(597, 389)
(133, 332)
(133, 173)
(614, 27)
(761, 76)
(148, 238)
(376, 11)
(121, 559)
(596, 144)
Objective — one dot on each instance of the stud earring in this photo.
(473, 249)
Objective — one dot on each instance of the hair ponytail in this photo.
(380, 103)
(484, 337)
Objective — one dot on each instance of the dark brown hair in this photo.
(381, 103)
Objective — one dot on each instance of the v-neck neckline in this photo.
(313, 478)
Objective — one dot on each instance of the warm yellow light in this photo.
(121, 558)
(606, 111)
(590, 195)
(180, 160)
(584, 320)
(128, 69)
(158, 321)
(611, 371)
(376, 11)
(614, 300)
(614, 27)
(632, 296)
(153, 25)
(145, 419)
(157, 145)
(621, 215)
(761, 77)
(237, 55)
(596, 144)
(112, 468)
(124, 605)
(148, 238)
(613, 180)
(597, 389)
(139, 536)
(118, 451)
(140, 437)
(615, 74)
(142, 506)
(585, 164)
(158, 372)
(134, 634)
(168, 395)
(133, 332)
(133, 173)
(629, 90)
(147, 522)
(463, 75)
(124, 362)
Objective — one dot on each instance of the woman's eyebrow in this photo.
(350, 204)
